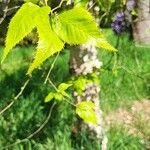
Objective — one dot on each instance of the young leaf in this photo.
(48, 43)
(58, 96)
(49, 97)
(79, 84)
(102, 43)
(64, 86)
(65, 94)
(75, 26)
(20, 25)
(86, 112)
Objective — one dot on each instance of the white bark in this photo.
(84, 62)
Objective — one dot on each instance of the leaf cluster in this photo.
(74, 26)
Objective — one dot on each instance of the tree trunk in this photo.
(141, 26)
(85, 62)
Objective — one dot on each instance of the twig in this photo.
(52, 66)
(5, 12)
(102, 17)
(22, 89)
(53, 85)
(66, 99)
(15, 98)
(9, 9)
(34, 133)
(7, 107)
(59, 6)
(92, 6)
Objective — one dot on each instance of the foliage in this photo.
(25, 23)
(76, 29)
(59, 94)
(116, 91)
(68, 28)
(52, 37)
(80, 83)
(86, 111)
(48, 43)
(71, 28)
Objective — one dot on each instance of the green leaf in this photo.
(48, 43)
(80, 84)
(20, 25)
(80, 3)
(75, 26)
(86, 111)
(102, 43)
(65, 94)
(64, 86)
(49, 97)
(58, 96)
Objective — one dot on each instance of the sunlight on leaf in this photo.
(49, 97)
(24, 21)
(75, 29)
(48, 43)
(86, 111)
(64, 86)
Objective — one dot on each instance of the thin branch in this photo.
(15, 98)
(22, 89)
(52, 66)
(34, 133)
(64, 97)
(9, 9)
(7, 107)
(59, 6)
(5, 12)
(92, 6)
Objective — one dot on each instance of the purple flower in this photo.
(118, 24)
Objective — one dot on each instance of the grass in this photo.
(124, 79)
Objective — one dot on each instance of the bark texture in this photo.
(84, 61)
(141, 26)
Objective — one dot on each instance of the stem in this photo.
(22, 89)
(91, 6)
(53, 85)
(52, 66)
(5, 12)
(66, 99)
(59, 6)
(15, 98)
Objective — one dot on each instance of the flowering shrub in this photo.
(119, 23)
(123, 19)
